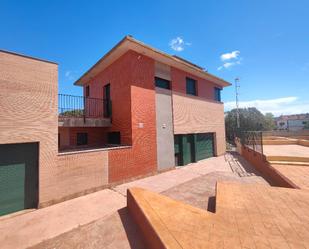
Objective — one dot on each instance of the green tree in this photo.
(306, 126)
(251, 119)
(269, 121)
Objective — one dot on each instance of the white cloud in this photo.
(178, 44)
(228, 56)
(230, 59)
(278, 106)
(70, 75)
(229, 64)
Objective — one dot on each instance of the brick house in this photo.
(143, 111)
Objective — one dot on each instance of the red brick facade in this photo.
(205, 89)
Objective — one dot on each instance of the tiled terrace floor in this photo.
(193, 184)
(286, 150)
(247, 216)
(297, 174)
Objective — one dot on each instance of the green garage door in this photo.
(18, 177)
(204, 146)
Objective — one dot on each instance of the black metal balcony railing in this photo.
(84, 107)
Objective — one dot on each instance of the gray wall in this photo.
(165, 136)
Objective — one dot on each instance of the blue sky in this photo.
(264, 43)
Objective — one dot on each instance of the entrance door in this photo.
(107, 101)
(188, 149)
(204, 146)
(18, 177)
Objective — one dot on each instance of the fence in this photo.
(252, 140)
(79, 106)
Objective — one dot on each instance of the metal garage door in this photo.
(204, 146)
(18, 177)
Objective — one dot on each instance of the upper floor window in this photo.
(191, 86)
(162, 83)
(218, 94)
(87, 92)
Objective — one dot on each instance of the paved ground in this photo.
(297, 174)
(28, 229)
(286, 150)
(247, 216)
(99, 220)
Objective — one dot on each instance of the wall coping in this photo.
(85, 150)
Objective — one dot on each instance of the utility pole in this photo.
(237, 104)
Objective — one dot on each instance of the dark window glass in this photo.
(191, 86)
(82, 138)
(87, 91)
(218, 94)
(107, 101)
(162, 83)
(113, 137)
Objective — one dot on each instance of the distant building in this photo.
(294, 122)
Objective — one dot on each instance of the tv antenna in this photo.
(237, 101)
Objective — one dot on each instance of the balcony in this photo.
(79, 111)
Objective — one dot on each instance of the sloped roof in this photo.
(129, 43)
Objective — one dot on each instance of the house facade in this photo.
(295, 122)
(142, 112)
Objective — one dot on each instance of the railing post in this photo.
(84, 110)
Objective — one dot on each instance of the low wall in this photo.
(77, 174)
(301, 133)
(273, 176)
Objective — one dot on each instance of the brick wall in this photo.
(205, 88)
(118, 75)
(77, 174)
(141, 159)
(68, 136)
(28, 110)
(197, 115)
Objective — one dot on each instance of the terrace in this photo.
(80, 111)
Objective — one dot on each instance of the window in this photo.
(162, 83)
(82, 138)
(218, 94)
(107, 101)
(87, 91)
(113, 137)
(191, 86)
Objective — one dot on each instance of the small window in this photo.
(82, 138)
(162, 83)
(191, 86)
(218, 94)
(87, 91)
(113, 137)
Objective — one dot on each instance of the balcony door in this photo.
(107, 101)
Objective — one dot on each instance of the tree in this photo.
(306, 126)
(269, 121)
(251, 119)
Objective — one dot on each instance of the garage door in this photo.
(18, 177)
(204, 146)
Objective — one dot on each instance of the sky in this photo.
(263, 43)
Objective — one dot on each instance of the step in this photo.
(287, 158)
(290, 163)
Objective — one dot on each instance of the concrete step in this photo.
(288, 158)
(290, 163)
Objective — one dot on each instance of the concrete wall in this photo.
(165, 134)
(197, 115)
(273, 176)
(28, 111)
